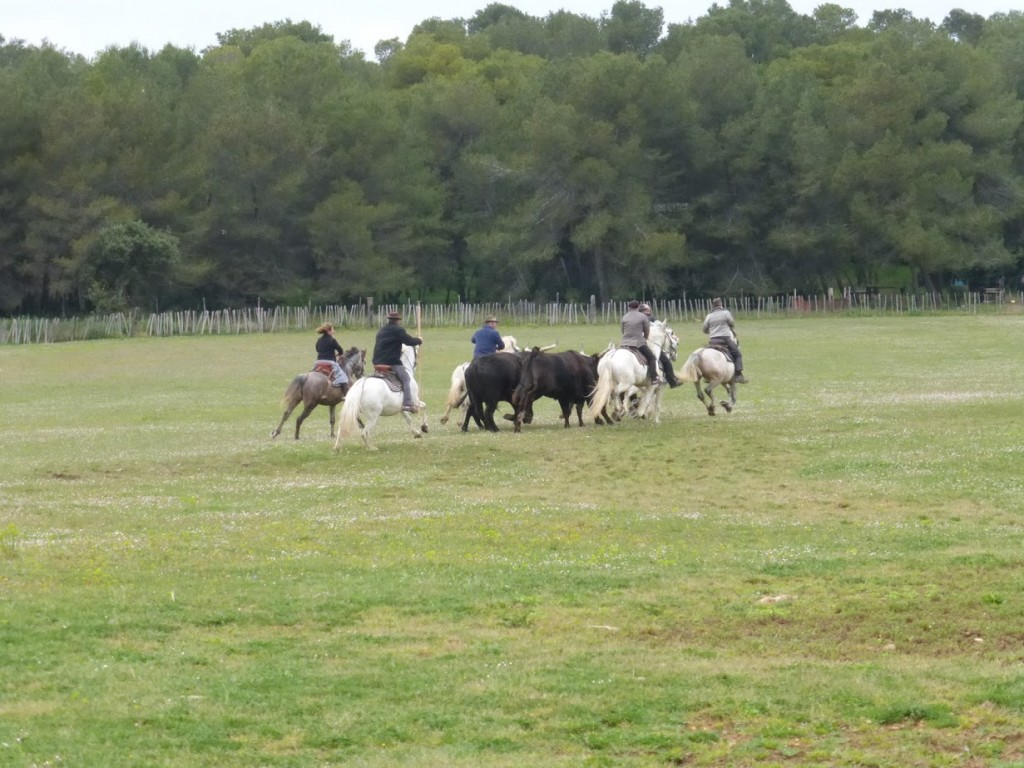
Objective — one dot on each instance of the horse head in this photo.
(409, 355)
(659, 336)
(355, 363)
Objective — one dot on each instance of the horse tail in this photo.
(691, 368)
(294, 392)
(348, 420)
(601, 394)
(457, 393)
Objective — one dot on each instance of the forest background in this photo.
(751, 151)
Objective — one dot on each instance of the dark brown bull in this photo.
(568, 377)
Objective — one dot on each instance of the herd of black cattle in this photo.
(521, 378)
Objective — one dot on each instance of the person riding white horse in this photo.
(620, 375)
(636, 327)
(387, 350)
(374, 396)
(487, 340)
(720, 327)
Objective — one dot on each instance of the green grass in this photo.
(829, 576)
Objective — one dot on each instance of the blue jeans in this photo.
(340, 377)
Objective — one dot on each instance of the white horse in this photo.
(620, 373)
(457, 391)
(714, 368)
(372, 397)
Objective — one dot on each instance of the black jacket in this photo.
(387, 350)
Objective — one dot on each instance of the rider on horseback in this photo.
(387, 350)
(329, 350)
(636, 327)
(663, 358)
(721, 330)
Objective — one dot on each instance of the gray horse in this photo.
(710, 365)
(314, 388)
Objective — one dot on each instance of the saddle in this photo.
(324, 367)
(724, 350)
(389, 377)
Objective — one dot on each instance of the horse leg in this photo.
(619, 396)
(371, 420)
(417, 431)
(728, 404)
(302, 417)
(332, 420)
(711, 399)
(703, 400)
(287, 413)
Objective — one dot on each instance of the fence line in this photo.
(29, 330)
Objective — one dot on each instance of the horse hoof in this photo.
(274, 434)
(425, 429)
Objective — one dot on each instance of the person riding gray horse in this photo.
(387, 350)
(720, 327)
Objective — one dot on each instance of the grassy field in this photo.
(833, 575)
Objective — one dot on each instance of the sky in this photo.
(89, 26)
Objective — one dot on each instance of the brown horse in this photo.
(313, 389)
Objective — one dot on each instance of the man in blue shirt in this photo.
(487, 340)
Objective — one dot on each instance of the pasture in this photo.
(832, 575)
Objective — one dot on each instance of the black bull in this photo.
(568, 377)
(491, 379)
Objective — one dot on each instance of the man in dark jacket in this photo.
(663, 358)
(387, 350)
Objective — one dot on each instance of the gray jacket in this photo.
(719, 324)
(636, 327)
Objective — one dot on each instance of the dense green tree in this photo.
(751, 149)
(129, 264)
(634, 28)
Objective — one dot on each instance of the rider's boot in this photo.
(343, 386)
(739, 378)
(670, 374)
(408, 405)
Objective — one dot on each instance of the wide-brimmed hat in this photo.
(394, 316)
(645, 308)
(491, 319)
(716, 302)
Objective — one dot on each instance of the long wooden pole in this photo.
(419, 332)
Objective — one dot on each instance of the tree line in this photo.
(751, 151)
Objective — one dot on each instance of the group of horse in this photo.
(615, 378)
